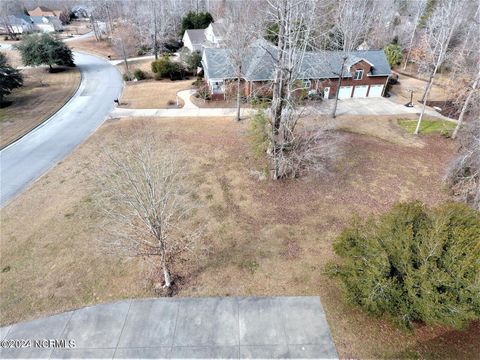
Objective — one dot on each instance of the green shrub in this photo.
(126, 77)
(139, 74)
(166, 68)
(414, 264)
(394, 54)
(258, 135)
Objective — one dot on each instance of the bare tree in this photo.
(418, 9)
(295, 28)
(472, 93)
(125, 42)
(464, 173)
(240, 23)
(353, 21)
(439, 31)
(145, 202)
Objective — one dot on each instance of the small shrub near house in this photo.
(165, 68)
(139, 74)
(414, 264)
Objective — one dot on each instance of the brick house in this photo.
(365, 72)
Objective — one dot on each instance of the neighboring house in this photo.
(44, 11)
(46, 23)
(215, 32)
(365, 75)
(199, 39)
(21, 23)
(16, 24)
(194, 40)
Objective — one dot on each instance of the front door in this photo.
(326, 93)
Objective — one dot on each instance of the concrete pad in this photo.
(143, 353)
(97, 326)
(299, 331)
(261, 322)
(150, 323)
(4, 331)
(25, 353)
(82, 354)
(205, 352)
(264, 352)
(208, 322)
(47, 328)
(311, 352)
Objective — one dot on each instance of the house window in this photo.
(358, 75)
(307, 84)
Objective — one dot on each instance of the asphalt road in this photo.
(33, 155)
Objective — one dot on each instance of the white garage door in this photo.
(360, 91)
(375, 91)
(345, 92)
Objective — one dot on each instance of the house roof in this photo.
(197, 37)
(19, 19)
(259, 63)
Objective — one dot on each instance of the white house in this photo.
(17, 24)
(46, 23)
(215, 32)
(194, 39)
(199, 39)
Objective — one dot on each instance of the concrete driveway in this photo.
(269, 327)
(27, 159)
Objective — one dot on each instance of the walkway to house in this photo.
(367, 106)
(228, 327)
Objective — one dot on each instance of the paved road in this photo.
(270, 327)
(30, 157)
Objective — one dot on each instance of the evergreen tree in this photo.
(10, 78)
(414, 264)
(44, 50)
(194, 20)
(394, 54)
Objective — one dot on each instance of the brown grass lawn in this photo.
(265, 238)
(144, 65)
(153, 94)
(42, 95)
(76, 28)
(402, 90)
(13, 57)
(92, 46)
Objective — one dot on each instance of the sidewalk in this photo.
(226, 327)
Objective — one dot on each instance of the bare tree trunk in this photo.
(238, 97)
(334, 113)
(412, 38)
(424, 100)
(155, 31)
(465, 106)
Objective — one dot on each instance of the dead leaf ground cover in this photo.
(265, 238)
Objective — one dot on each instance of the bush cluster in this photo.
(414, 264)
(166, 68)
(139, 74)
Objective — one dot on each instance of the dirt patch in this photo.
(265, 238)
(42, 95)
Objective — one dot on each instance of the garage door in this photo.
(345, 92)
(360, 91)
(375, 91)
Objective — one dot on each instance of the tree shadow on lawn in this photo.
(452, 344)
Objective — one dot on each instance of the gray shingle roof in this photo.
(260, 61)
(197, 37)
